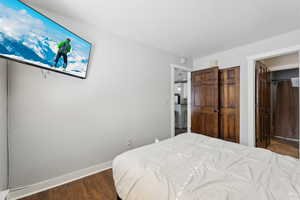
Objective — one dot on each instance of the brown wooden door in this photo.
(205, 102)
(285, 111)
(229, 91)
(263, 105)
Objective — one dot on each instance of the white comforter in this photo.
(196, 167)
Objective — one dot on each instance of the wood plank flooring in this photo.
(96, 187)
(284, 147)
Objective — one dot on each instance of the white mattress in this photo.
(196, 167)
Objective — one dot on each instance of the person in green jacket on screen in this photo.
(64, 48)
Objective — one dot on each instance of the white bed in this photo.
(196, 167)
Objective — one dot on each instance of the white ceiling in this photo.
(289, 59)
(184, 27)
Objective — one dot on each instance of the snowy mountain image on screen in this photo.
(41, 52)
(27, 38)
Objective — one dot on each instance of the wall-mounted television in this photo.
(29, 37)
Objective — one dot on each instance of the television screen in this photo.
(29, 37)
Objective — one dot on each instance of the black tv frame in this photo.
(49, 69)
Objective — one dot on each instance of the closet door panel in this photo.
(263, 105)
(286, 112)
(205, 104)
(229, 104)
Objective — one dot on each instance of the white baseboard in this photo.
(285, 138)
(3, 194)
(54, 182)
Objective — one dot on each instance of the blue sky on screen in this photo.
(28, 36)
(30, 21)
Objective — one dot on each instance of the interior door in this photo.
(205, 102)
(285, 111)
(230, 104)
(263, 105)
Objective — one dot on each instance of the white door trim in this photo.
(172, 105)
(251, 86)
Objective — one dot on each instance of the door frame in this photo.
(172, 100)
(251, 86)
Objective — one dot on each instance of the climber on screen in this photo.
(64, 48)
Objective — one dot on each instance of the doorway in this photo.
(180, 95)
(277, 104)
(180, 100)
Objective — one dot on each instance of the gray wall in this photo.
(62, 124)
(3, 124)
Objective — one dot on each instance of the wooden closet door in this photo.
(230, 104)
(263, 105)
(286, 110)
(205, 102)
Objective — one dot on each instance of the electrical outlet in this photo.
(129, 144)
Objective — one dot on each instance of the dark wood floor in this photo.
(179, 131)
(284, 147)
(97, 187)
